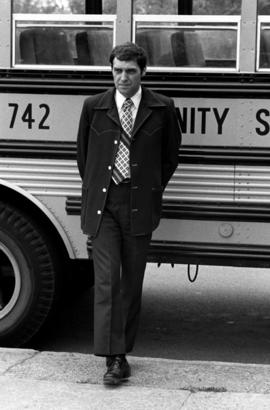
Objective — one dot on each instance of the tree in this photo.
(140, 6)
(49, 6)
(155, 7)
(217, 7)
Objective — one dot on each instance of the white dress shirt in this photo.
(136, 99)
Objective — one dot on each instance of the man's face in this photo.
(127, 76)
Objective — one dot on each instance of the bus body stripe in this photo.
(189, 154)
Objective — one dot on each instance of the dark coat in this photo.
(153, 157)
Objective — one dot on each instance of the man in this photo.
(128, 142)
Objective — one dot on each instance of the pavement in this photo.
(31, 379)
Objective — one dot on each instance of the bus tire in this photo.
(27, 276)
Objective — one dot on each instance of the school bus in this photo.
(211, 56)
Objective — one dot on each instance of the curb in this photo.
(57, 380)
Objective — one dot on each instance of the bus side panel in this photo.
(224, 122)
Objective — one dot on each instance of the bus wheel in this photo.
(27, 276)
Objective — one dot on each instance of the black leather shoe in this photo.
(118, 370)
(109, 360)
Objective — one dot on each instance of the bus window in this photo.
(62, 40)
(189, 42)
(263, 46)
(59, 33)
(263, 60)
(205, 43)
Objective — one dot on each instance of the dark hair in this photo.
(129, 51)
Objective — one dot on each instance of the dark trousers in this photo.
(119, 264)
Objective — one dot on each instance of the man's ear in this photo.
(143, 72)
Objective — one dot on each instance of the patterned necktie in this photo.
(121, 165)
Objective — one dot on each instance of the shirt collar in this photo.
(136, 98)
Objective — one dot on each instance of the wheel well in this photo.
(28, 207)
(73, 275)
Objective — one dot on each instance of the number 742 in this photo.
(27, 116)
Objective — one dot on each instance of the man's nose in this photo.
(124, 76)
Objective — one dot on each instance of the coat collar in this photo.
(149, 101)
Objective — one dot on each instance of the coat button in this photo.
(99, 212)
(104, 189)
(115, 141)
(109, 167)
